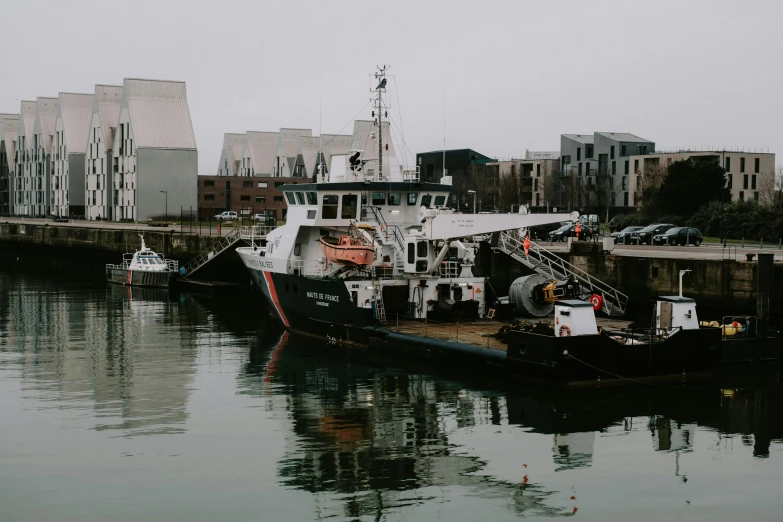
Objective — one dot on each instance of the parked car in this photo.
(624, 235)
(569, 230)
(679, 236)
(543, 231)
(263, 219)
(228, 215)
(645, 235)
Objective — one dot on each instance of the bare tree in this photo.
(510, 188)
(550, 184)
(771, 188)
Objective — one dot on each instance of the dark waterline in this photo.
(128, 404)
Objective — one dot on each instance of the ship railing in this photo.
(551, 265)
(255, 232)
(411, 173)
(747, 326)
(449, 269)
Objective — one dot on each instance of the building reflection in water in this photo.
(117, 348)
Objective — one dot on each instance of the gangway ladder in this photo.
(380, 310)
(220, 246)
(550, 265)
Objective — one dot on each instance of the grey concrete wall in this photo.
(76, 180)
(172, 170)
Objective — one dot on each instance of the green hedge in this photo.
(741, 219)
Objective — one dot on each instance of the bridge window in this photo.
(440, 201)
(394, 198)
(426, 200)
(378, 198)
(412, 198)
(348, 210)
(421, 249)
(300, 198)
(312, 199)
(411, 253)
(330, 207)
(291, 198)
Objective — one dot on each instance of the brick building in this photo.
(244, 195)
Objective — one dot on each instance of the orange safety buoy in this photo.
(564, 331)
(597, 301)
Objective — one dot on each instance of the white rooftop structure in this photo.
(231, 156)
(159, 113)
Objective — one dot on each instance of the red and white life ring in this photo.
(597, 301)
(564, 331)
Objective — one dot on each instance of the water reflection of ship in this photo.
(370, 435)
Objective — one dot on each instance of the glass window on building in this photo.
(412, 198)
(378, 198)
(394, 198)
(756, 165)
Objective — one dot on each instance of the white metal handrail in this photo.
(551, 265)
(255, 231)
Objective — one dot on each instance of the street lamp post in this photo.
(166, 215)
(474, 199)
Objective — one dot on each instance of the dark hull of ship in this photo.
(128, 277)
(590, 357)
(319, 307)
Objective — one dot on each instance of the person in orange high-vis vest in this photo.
(578, 230)
(526, 244)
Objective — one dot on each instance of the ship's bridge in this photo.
(339, 204)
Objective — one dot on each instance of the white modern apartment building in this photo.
(43, 137)
(9, 130)
(72, 124)
(21, 186)
(155, 158)
(98, 176)
(288, 163)
(231, 157)
(259, 154)
(749, 175)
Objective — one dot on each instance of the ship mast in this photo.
(381, 77)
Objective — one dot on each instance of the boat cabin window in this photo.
(312, 198)
(412, 197)
(421, 249)
(394, 198)
(300, 198)
(330, 207)
(290, 197)
(440, 201)
(297, 249)
(426, 199)
(378, 198)
(411, 254)
(348, 210)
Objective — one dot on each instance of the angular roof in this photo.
(107, 102)
(27, 120)
(75, 110)
(582, 138)
(308, 148)
(233, 145)
(623, 136)
(45, 119)
(289, 141)
(262, 147)
(159, 114)
(9, 131)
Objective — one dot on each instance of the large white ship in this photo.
(367, 240)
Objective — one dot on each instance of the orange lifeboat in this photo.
(347, 251)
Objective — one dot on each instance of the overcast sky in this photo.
(515, 74)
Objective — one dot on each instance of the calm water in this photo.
(118, 405)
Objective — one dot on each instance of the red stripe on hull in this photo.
(273, 294)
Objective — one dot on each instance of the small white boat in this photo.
(143, 268)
